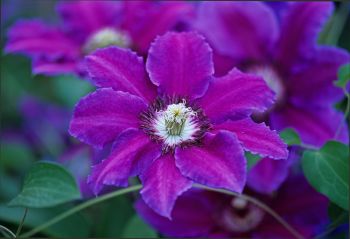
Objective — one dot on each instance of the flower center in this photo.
(106, 37)
(175, 120)
(174, 123)
(241, 216)
(272, 79)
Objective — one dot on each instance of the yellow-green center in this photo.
(106, 37)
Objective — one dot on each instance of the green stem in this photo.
(138, 187)
(308, 146)
(22, 222)
(6, 230)
(79, 208)
(257, 203)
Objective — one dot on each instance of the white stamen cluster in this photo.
(106, 37)
(176, 124)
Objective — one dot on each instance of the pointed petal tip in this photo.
(162, 185)
(187, 53)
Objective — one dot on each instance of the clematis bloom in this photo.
(89, 25)
(199, 213)
(281, 46)
(174, 124)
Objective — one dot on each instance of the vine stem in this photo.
(138, 187)
(81, 207)
(257, 203)
(22, 221)
(8, 231)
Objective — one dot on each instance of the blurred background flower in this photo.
(36, 108)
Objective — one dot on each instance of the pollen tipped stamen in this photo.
(175, 128)
(174, 124)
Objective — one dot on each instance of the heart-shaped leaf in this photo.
(327, 170)
(47, 184)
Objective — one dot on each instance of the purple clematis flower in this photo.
(175, 125)
(88, 25)
(285, 53)
(200, 213)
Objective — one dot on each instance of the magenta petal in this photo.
(132, 153)
(180, 64)
(315, 83)
(218, 163)
(162, 184)
(102, 115)
(267, 175)
(120, 69)
(238, 29)
(84, 17)
(192, 216)
(256, 138)
(299, 31)
(315, 126)
(144, 20)
(42, 66)
(34, 38)
(234, 94)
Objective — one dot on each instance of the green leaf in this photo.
(327, 170)
(343, 76)
(75, 226)
(136, 228)
(290, 137)
(252, 159)
(47, 184)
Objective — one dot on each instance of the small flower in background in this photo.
(174, 125)
(88, 25)
(199, 213)
(285, 53)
